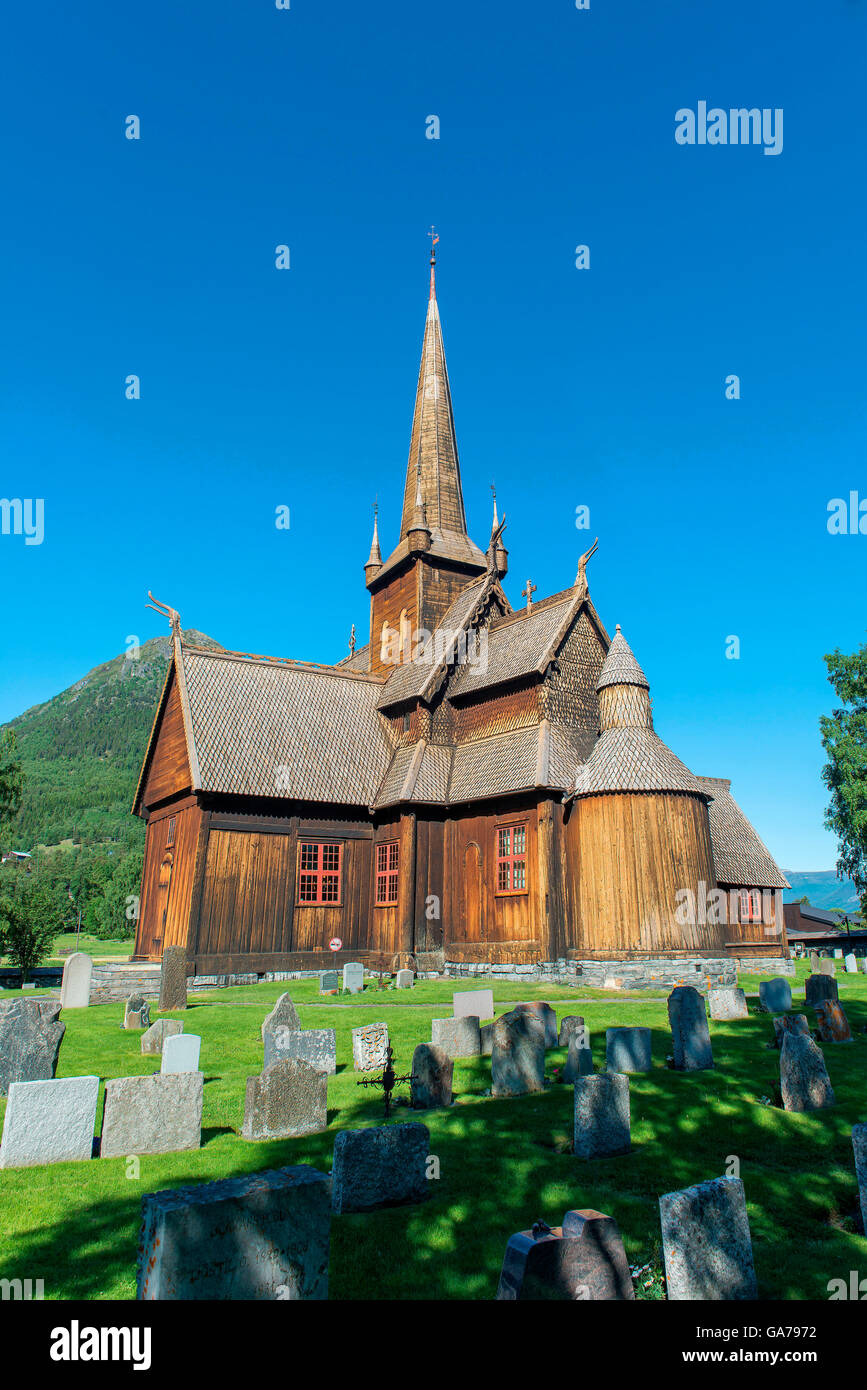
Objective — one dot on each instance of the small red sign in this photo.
(335, 943)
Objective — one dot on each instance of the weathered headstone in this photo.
(181, 1053)
(30, 1038)
(283, 1015)
(602, 1123)
(579, 1057)
(819, 988)
(582, 1259)
(478, 1003)
(460, 1037)
(706, 1243)
(862, 964)
(404, 979)
(517, 1054)
(838, 954)
(572, 1023)
(827, 967)
(137, 1013)
(432, 1072)
(775, 996)
(49, 1121)
(173, 979)
(329, 981)
(790, 1023)
(627, 1049)
(370, 1047)
(831, 1022)
(318, 1046)
(859, 1144)
(152, 1041)
(486, 1039)
(850, 963)
(804, 1080)
(353, 977)
(543, 1011)
(156, 1114)
(289, 1098)
(690, 1034)
(381, 1167)
(263, 1237)
(75, 986)
(727, 1004)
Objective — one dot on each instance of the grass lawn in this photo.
(113, 948)
(503, 1163)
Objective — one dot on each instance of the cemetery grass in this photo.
(503, 1163)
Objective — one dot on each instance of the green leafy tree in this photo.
(844, 738)
(11, 778)
(26, 937)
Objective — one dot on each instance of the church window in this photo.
(319, 867)
(387, 861)
(170, 838)
(512, 859)
(751, 905)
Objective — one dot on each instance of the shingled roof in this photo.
(739, 856)
(620, 666)
(517, 646)
(413, 679)
(634, 760)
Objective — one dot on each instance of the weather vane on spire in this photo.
(434, 238)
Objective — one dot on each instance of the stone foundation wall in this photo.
(649, 973)
(117, 981)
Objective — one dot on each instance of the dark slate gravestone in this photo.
(30, 1038)
(804, 1079)
(819, 988)
(602, 1123)
(289, 1098)
(173, 979)
(627, 1049)
(579, 1058)
(582, 1259)
(137, 1013)
(775, 996)
(572, 1023)
(432, 1071)
(329, 981)
(790, 1023)
(859, 1144)
(832, 1023)
(517, 1054)
(261, 1237)
(706, 1242)
(690, 1034)
(381, 1167)
(544, 1012)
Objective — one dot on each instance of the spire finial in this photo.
(496, 518)
(434, 238)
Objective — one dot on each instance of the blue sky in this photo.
(602, 387)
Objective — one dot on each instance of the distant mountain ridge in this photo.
(82, 750)
(823, 888)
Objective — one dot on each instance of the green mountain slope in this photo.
(81, 752)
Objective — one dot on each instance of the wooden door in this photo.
(472, 893)
(163, 889)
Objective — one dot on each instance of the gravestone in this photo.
(582, 1259)
(775, 996)
(517, 1054)
(602, 1123)
(827, 967)
(627, 1049)
(329, 981)
(542, 1011)
(727, 1004)
(75, 986)
(831, 1022)
(804, 1080)
(572, 1023)
(478, 1003)
(152, 1041)
(156, 1114)
(30, 1038)
(404, 979)
(370, 1047)
(284, 1015)
(838, 954)
(137, 1013)
(289, 1098)
(690, 1034)
(459, 1037)
(49, 1121)
(432, 1071)
(859, 1144)
(264, 1237)
(353, 977)
(862, 964)
(181, 1053)
(851, 964)
(318, 1046)
(486, 1039)
(706, 1243)
(814, 961)
(819, 988)
(381, 1167)
(790, 1023)
(173, 979)
(579, 1058)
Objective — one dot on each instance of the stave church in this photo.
(476, 790)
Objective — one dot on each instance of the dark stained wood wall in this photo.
(398, 594)
(477, 920)
(169, 772)
(167, 879)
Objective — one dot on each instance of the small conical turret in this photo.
(624, 690)
(497, 555)
(419, 534)
(374, 561)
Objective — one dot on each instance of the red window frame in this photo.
(320, 873)
(511, 859)
(387, 868)
(750, 905)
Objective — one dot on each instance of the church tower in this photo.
(434, 557)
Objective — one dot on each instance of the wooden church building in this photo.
(476, 788)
